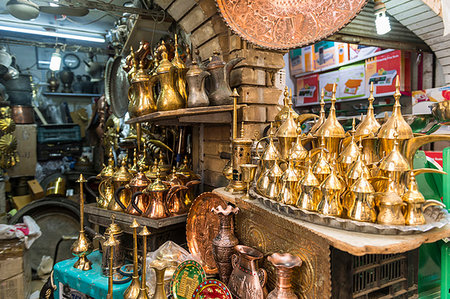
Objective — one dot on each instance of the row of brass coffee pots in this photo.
(371, 181)
(159, 84)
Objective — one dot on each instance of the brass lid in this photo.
(164, 65)
(288, 128)
(215, 61)
(141, 75)
(176, 61)
(322, 117)
(331, 127)
(332, 182)
(291, 174)
(369, 125)
(309, 180)
(140, 180)
(362, 185)
(151, 173)
(134, 224)
(275, 171)
(321, 166)
(271, 152)
(359, 168)
(395, 160)
(158, 184)
(185, 170)
(282, 115)
(396, 124)
(109, 170)
(113, 227)
(413, 195)
(351, 151)
(194, 70)
(298, 152)
(122, 175)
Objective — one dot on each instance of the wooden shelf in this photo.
(210, 115)
(71, 95)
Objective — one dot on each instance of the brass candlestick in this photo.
(111, 243)
(248, 174)
(133, 290)
(143, 292)
(82, 246)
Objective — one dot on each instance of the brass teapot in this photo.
(120, 179)
(289, 184)
(220, 93)
(169, 98)
(332, 188)
(105, 188)
(310, 194)
(274, 185)
(195, 78)
(390, 205)
(138, 183)
(181, 71)
(362, 206)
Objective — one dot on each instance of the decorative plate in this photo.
(118, 88)
(212, 289)
(286, 24)
(188, 275)
(202, 227)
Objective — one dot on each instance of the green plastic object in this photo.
(445, 249)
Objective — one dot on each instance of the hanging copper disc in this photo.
(285, 24)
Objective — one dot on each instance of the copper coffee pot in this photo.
(138, 183)
(120, 179)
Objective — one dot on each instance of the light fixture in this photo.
(382, 21)
(55, 61)
(98, 39)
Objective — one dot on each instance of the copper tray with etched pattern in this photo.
(286, 24)
(202, 227)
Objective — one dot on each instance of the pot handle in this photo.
(133, 203)
(262, 275)
(257, 144)
(234, 260)
(116, 197)
(88, 189)
(432, 202)
(192, 183)
(173, 190)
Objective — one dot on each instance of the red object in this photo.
(307, 83)
(436, 156)
(212, 289)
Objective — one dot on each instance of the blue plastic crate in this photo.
(59, 133)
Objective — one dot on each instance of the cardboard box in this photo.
(308, 58)
(352, 81)
(358, 52)
(307, 89)
(36, 190)
(296, 61)
(423, 99)
(326, 81)
(15, 271)
(26, 148)
(327, 54)
(383, 69)
(21, 201)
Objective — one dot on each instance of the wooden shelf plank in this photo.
(71, 95)
(187, 115)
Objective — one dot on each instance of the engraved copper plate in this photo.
(202, 227)
(285, 24)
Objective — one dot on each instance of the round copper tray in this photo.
(285, 24)
(202, 227)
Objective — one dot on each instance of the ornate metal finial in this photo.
(333, 97)
(242, 130)
(81, 179)
(144, 231)
(397, 93)
(371, 98)
(134, 224)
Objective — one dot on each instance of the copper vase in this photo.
(246, 280)
(223, 244)
(284, 264)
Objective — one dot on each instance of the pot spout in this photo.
(413, 144)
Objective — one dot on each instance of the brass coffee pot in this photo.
(169, 98)
(357, 170)
(331, 188)
(321, 119)
(350, 152)
(362, 206)
(136, 184)
(390, 205)
(266, 161)
(286, 135)
(140, 93)
(181, 71)
(274, 186)
(283, 114)
(220, 93)
(289, 185)
(331, 130)
(310, 194)
(120, 179)
(195, 78)
(105, 188)
(416, 203)
(321, 169)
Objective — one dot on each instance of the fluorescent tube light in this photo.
(54, 34)
(55, 61)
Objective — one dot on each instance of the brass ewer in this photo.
(331, 130)
(332, 188)
(121, 179)
(285, 110)
(195, 78)
(181, 71)
(362, 206)
(134, 288)
(390, 205)
(140, 94)
(82, 246)
(298, 154)
(416, 203)
(289, 185)
(266, 161)
(169, 98)
(310, 193)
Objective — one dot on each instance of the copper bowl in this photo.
(22, 114)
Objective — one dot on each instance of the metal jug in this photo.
(120, 179)
(138, 183)
(195, 78)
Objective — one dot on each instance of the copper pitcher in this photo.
(138, 183)
(220, 93)
(246, 280)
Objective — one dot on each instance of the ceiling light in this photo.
(23, 9)
(382, 21)
(55, 61)
(98, 39)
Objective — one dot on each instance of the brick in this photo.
(218, 43)
(214, 163)
(215, 179)
(179, 8)
(253, 113)
(271, 112)
(163, 3)
(193, 19)
(257, 58)
(254, 130)
(217, 133)
(209, 7)
(258, 95)
(248, 76)
(210, 29)
(235, 43)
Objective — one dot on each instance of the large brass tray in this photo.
(285, 24)
(202, 227)
(436, 217)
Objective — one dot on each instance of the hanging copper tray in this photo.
(436, 217)
(286, 24)
(118, 88)
(202, 227)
